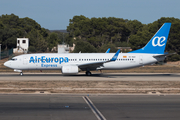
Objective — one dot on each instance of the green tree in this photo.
(140, 39)
(98, 31)
(32, 49)
(84, 47)
(134, 26)
(12, 27)
(104, 47)
(53, 40)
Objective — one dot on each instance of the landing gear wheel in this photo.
(21, 73)
(88, 73)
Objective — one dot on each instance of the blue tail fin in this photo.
(157, 43)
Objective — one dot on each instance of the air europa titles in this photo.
(44, 60)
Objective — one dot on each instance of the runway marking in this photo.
(97, 113)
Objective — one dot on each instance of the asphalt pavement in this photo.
(96, 77)
(74, 107)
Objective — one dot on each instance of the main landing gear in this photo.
(88, 73)
(21, 73)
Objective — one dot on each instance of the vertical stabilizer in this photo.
(157, 43)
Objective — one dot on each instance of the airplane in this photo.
(71, 63)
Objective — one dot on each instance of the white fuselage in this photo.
(54, 61)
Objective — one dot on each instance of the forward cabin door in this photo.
(25, 60)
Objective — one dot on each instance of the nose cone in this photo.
(7, 64)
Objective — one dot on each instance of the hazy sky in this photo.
(55, 14)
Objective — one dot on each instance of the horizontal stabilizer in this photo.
(166, 54)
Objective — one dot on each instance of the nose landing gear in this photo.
(88, 73)
(21, 73)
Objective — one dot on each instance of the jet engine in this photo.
(70, 69)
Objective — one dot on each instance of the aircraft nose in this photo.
(6, 64)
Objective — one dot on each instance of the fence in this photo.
(7, 53)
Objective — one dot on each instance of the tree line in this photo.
(89, 34)
(13, 27)
(99, 34)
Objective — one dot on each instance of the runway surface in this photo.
(74, 107)
(97, 77)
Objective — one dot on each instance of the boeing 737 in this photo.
(71, 63)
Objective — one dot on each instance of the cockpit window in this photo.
(14, 59)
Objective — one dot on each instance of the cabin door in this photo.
(25, 60)
(140, 59)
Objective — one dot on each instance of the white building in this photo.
(62, 48)
(22, 45)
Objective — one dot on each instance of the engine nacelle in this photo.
(70, 69)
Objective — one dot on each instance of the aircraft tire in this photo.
(88, 73)
(21, 73)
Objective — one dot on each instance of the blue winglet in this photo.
(115, 56)
(108, 50)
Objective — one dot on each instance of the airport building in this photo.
(22, 45)
(63, 48)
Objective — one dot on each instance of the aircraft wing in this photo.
(91, 66)
(94, 65)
